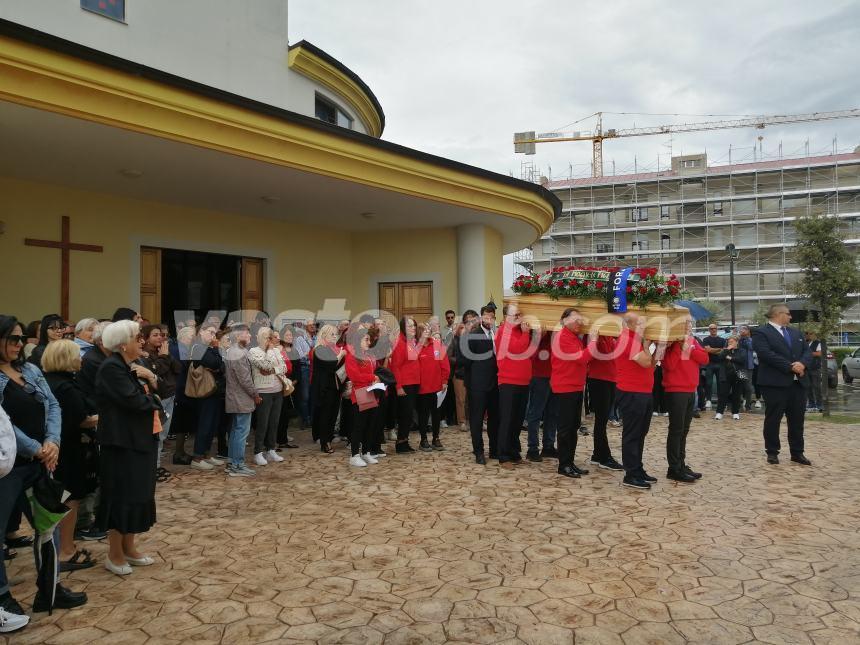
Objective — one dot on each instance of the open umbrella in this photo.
(46, 499)
(697, 311)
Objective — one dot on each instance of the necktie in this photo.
(786, 335)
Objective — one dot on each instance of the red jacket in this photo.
(404, 362)
(512, 355)
(435, 367)
(630, 376)
(359, 372)
(603, 368)
(569, 363)
(542, 360)
(681, 373)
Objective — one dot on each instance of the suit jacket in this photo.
(775, 356)
(481, 369)
(126, 411)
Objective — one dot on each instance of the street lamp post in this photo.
(733, 255)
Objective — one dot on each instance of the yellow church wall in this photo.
(296, 254)
(404, 256)
(493, 269)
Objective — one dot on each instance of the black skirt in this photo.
(128, 489)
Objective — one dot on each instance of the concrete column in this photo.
(479, 266)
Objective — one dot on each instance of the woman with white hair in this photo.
(128, 435)
(267, 368)
(84, 334)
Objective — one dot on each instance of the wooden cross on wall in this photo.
(66, 246)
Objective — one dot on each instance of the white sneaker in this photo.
(464, 427)
(215, 461)
(665, 414)
(707, 405)
(379, 455)
(655, 414)
(443, 424)
(10, 622)
(357, 461)
(370, 459)
(202, 465)
(260, 459)
(736, 417)
(273, 456)
(718, 416)
(758, 405)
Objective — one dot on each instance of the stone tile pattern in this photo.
(432, 548)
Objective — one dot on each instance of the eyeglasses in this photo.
(56, 327)
(15, 339)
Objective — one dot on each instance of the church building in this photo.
(174, 156)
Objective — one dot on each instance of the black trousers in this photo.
(481, 403)
(658, 392)
(730, 393)
(347, 417)
(428, 411)
(602, 395)
(712, 371)
(680, 408)
(325, 415)
(788, 401)
(362, 427)
(635, 409)
(406, 411)
(513, 400)
(569, 406)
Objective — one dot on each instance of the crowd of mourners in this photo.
(91, 405)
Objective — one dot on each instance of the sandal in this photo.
(80, 560)
(162, 475)
(328, 449)
(19, 542)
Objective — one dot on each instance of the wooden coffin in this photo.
(662, 323)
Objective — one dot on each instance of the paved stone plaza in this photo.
(434, 548)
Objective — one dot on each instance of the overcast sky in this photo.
(457, 79)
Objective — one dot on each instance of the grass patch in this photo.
(842, 419)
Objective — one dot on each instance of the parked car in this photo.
(851, 366)
(832, 371)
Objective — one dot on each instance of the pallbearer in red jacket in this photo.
(514, 358)
(635, 382)
(681, 366)
(360, 368)
(601, 398)
(434, 372)
(570, 359)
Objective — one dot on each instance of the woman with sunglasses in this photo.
(52, 329)
(127, 432)
(35, 415)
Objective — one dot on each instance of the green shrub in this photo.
(840, 353)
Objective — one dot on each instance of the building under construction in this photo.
(681, 220)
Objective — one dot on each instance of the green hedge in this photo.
(840, 353)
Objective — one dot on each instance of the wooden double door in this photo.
(174, 280)
(407, 299)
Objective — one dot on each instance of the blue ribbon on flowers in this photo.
(617, 292)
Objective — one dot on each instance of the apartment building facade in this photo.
(682, 219)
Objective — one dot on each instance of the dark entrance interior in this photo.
(199, 282)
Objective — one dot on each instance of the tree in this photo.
(828, 274)
(716, 309)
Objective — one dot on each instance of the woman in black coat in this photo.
(325, 389)
(128, 435)
(733, 361)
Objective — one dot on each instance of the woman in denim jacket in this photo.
(35, 415)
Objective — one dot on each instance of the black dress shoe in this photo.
(182, 460)
(402, 448)
(801, 459)
(682, 477)
(581, 471)
(19, 542)
(480, 459)
(635, 482)
(10, 605)
(696, 415)
(692, 473)
(63, 599)
(569, 471)
(772, 459)
(533, 456)
(549, 453)
(648, 478)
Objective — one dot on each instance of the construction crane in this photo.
(524, 142)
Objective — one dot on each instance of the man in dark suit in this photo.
(479, 359)
(783, 359)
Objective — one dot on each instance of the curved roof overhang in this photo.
(311, 61)
(63, 78)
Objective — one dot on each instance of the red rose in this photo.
(559, 283)
(629, 289)
(599, 285)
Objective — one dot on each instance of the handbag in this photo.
(289, 388)
(200, 382)
(365, 399)
(8, 444)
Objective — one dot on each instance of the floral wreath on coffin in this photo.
(645, 285)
